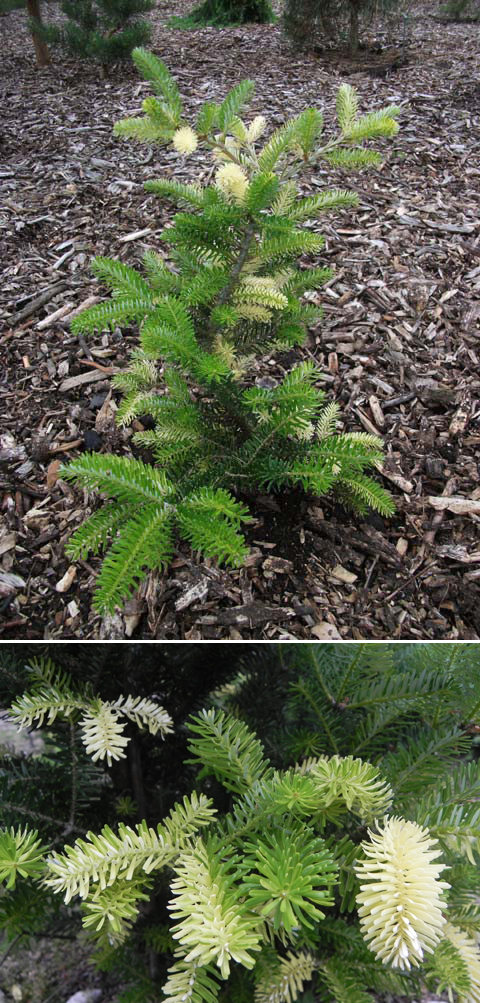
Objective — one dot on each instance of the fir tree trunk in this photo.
(41, 48)
(353, 32)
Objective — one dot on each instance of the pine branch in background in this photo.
(104, 31)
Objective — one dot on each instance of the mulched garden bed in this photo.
(399, 342)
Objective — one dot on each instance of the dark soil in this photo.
(399, 342)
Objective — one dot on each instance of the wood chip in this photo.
(458, 553)
(7, 543)
(342, 575)
(277, 566)
(52, 317)
(461, 418)
(90, 301)
(459, 506)
(38, 301)
(375, 407)
(367, 424)
(52, 473)
(69, 577)
(196, 593)
(80, 380)
(10, 450)
(325, 631)
(10, 583)
(402, 546)
(134, 236)
(105, 419)
(132, 614)
(395, 478)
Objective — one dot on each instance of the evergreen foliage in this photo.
(62, 791)
(230, 290)
(223, 13)
(102, 30)
(34, 13)
(307, 22)
(461, 10)
(311, 865)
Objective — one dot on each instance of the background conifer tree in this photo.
(102, 30)
(461, 10)
(307, 22)
(34, 13)
(227, 12)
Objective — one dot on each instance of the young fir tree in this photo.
(34, 13)
(230, 291)
(103, 30)
(348, 858)
(222, 13)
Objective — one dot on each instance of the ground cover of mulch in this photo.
(399, 341)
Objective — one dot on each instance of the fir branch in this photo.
(290, 879)
(21, 854)
(283, 982)
(215, 925)
(108, 856)
(191, 982)
(145, 541)
(152, 69)
(343, 986)
(121, 477)
(228, 749)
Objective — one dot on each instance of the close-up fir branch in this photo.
(320, 840)
(228, 294)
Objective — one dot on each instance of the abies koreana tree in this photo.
(229, 292)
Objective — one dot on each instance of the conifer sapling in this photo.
(229, 292)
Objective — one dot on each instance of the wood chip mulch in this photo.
(399, 342)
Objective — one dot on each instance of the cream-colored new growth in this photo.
(103, 734)
(400, 906)
(232, 181)
(470, 953)
(185, 140)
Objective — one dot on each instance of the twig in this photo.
(36, 303)
(33, 813)
(73, 801)
(244, 249)
(10, 948)
(370, 571)
(96, 365)
(12, 623)
(409, 581)
(449, 490)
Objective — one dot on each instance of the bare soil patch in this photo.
(399, 342)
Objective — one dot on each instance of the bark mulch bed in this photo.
(399, 342)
